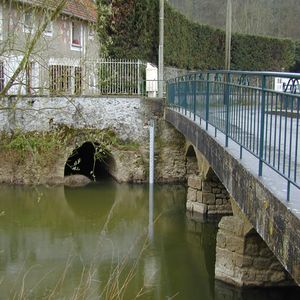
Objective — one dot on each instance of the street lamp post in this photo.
(228, 35)
(161, 50)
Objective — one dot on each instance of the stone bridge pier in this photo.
(242, 257)
(206, 194)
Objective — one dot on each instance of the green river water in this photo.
(105, 241)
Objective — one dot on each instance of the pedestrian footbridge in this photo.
(244, 128)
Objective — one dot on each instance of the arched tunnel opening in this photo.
(89, 160)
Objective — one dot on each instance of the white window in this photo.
(76, 36)
(91, 35)
(32, 78)
(2, 79)
(28, 22)
(65, 79)
(49, 29)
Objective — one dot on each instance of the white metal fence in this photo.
(64, 76)
(111, 76)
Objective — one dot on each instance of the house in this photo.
(58, 62)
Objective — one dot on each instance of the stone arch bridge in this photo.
(236, 127)
(258, 242)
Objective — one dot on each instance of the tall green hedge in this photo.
(296, 67)
(133, 28)
(194, 46)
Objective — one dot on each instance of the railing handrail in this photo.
(259, 113)
(253, 73)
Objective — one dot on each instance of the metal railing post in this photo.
(138, 76)
(185, 96)
(168, 94)
(262, 125)
(207, 101)
(194, 98)
(227, 106)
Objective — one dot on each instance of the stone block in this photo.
(224, 266)
(206, 186)
(195, 182)
(251, 249)
(276, 266)
(235, 244)
(265, 252)
(215, 184)
(199, 197)
(232, 225)
(219, 201)
(278, 277)
(189, 206)
(216, 190)
(261, 263)
(191, 195)
(208, 198)
(261, 277)
(221, 240)
(243, 261)
(226, 208)
(196, 207)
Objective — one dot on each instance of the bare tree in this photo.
(49, 14)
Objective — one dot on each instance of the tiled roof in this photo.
(82, 9)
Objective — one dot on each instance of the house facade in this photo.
(60, 60)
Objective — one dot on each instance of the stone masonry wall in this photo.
(127, 116)
(243, 258)
(207, 197)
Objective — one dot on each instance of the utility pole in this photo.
(161, 50)
(228, 35)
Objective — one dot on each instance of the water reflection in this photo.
(78, 243)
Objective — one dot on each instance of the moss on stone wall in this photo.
(40, 157)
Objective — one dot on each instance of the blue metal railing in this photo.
(257, 110)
